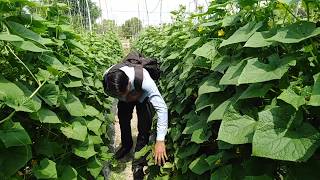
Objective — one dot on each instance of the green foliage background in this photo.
(131, 27)
(54, 116)
(246, 76)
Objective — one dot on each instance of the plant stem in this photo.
(13, 112)
(285, 6)
(8, 117)
(23, 64)
(35, 92)
(308, 10)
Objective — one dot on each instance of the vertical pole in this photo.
(196, 4)
(80, 14)
(88, 11)
(69, 7)
(145, 1)
(101, 24)
(101, 11)
(107, 9)
(139, 12)
(160, 11)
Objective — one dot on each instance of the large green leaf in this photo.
(256, 90)
(209, 85)
(296, 32)
(290, 97)
(208, 50)
(142, 152)
(236, 128)
(52, 61)
(230, 20)
(96, 139)
(233, 73)
(17, 97)
(9, 37)
(75, 131)
(43, 75)
(187, 150)
(68, 173)
(85, 149)
(281, 135)
(13, 134)
(199, 165)
(315, 96)
(94, 167)
(220, 64)
(192, 42)
(90, 110)
(8, 88)
(242, 34)
(94, 126)
(45, 170)
(71, 82)
(22, 31)
(258, 39)
(223, 173)
(23, 103)
(74, 106)
(195, 122)
(46, 116)
(75, 72)
(204, 101)
(50, 94)
(255, 71)
(77, 44)
(218, 112)
(219, 159)
(48, 148)
(200, 135)
(173, 55)
(14, 158)
(28, 46)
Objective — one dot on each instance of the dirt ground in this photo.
(124, 172)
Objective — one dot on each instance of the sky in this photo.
(122, 10)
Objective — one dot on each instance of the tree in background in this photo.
(131, 27)
(106, 25)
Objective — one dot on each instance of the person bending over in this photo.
(133, 86)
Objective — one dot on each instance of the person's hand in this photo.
(160, 154)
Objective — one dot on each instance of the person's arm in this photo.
(161, 109)
(162, 112)
(160, 106)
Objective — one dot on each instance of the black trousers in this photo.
(144, 113)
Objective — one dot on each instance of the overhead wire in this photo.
(107, 11)
(101, 11)
(158, 3)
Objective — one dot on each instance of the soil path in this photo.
(124, 172)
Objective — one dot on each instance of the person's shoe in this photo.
(121, 153)
(138, 173)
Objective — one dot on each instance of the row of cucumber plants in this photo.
(242, 82)
(54, 116)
